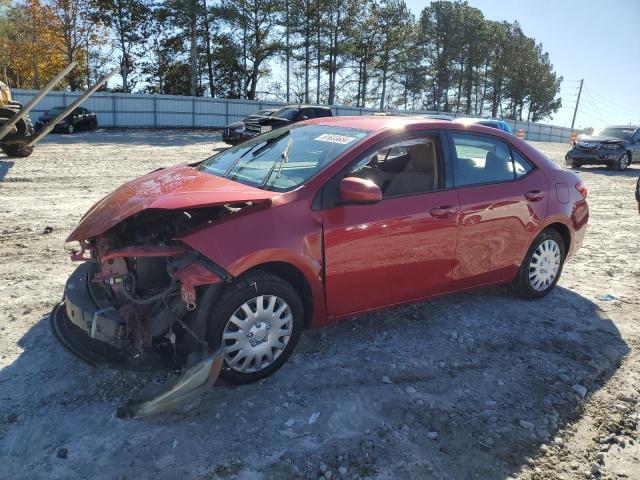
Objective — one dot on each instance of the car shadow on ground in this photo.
(468, 386)
(153, 137)
(4, 168)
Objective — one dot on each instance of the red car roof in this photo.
(373, 123)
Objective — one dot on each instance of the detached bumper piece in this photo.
(88, 326)
(178, 390)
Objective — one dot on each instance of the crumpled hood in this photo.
(594, 139)
(180, 187)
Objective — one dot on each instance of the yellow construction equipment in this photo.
(14, 143)
(17, 136)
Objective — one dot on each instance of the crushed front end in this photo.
(140, 300)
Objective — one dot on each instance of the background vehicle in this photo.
(232, 133)
(14, 143)
(488, 122)
(312, 223)
(616, 146)
(78, 119)
(284, 116)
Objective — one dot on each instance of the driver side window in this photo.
(404, 168)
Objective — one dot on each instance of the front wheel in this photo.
(542, 265)
(575, 164)
(70, 128)
(258, 320)
(622, 163)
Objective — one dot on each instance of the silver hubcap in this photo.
(544, 265)
(624, 161)
(257, 333)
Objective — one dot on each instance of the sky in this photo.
(598, 41)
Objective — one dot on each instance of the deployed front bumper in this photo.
(89, 309)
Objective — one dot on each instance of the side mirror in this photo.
(359, 190)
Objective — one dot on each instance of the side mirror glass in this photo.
(359, 190)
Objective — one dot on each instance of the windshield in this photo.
(55, 111)
(284, 158)
(617, 132)
(286, 113)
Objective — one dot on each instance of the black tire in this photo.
(93, 125)
(623, 162)
(17, 150)
(244, 289)
(575, 164)
(522, 284)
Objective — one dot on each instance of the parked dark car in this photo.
(489, 122)
(283, 117)
(616, 146)
(79, 119)
(232, 133)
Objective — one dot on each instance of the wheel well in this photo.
(294, 276)
(563, 230)
(630, 156)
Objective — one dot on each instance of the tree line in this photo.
(366, 53)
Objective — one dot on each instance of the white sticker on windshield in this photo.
(341, 139)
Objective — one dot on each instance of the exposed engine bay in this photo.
(141, 298)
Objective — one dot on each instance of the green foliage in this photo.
(370, 53)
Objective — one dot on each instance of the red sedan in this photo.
(308, 224)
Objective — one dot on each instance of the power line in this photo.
(599, 104)
(605, 99)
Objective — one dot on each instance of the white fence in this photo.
(126, 110)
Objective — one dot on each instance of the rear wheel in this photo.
(542, 266)
(258, 320)
(17, 150)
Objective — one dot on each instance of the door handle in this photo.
(534, 195)
(444, 211)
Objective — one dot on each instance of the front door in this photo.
(401, 248)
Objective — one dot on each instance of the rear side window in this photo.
(520, 165)
(482, 159)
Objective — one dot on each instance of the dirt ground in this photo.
(479, 385)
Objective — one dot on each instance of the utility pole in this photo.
(577, 103)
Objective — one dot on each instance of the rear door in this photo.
(401, 248)
(503, 199)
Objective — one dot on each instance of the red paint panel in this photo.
(389, 252)
(497, 225)
(171, 188)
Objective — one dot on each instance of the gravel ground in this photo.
(478, 385)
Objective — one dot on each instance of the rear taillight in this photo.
(582, 188)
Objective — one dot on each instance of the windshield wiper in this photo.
(284, 158)
(263, 145)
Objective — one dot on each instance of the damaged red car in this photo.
(217, 267)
